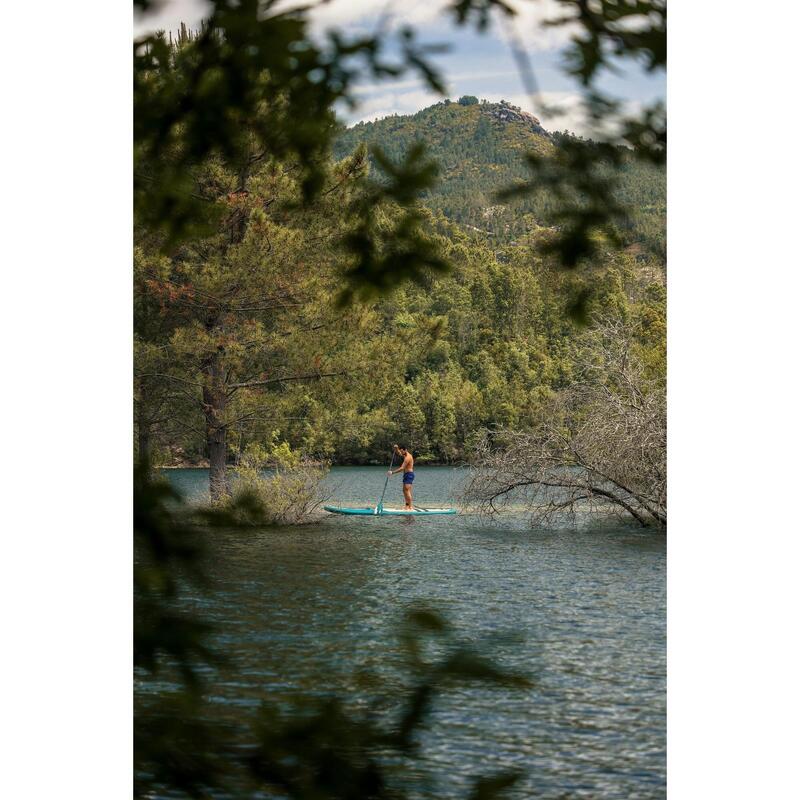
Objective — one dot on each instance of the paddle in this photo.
(385, 484)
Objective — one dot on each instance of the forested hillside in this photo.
(240, 341)
(486, 346)
(480, 148)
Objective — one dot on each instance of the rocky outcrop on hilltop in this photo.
(505, 112)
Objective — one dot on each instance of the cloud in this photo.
(528, 24)
(363, 12)
(434, 14)
(169, 16)
(367, 15)
(386, 103)
(451, 78)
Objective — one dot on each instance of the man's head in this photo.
(401, 448)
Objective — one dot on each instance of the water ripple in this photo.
(304, 609)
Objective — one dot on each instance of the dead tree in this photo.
(600, 445)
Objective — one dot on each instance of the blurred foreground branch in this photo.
(307, 748)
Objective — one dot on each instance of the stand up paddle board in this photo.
(382, 511)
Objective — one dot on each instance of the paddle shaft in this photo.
(386, 482)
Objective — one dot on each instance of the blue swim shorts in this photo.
(408, 477)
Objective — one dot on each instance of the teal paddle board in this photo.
(383, 511)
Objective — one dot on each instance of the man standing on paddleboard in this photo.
(407, 468)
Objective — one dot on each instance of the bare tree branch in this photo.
(285, 379)
(601, 444)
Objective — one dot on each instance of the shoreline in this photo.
(351, 464)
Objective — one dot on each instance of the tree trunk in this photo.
(144, 441)
(142, 428)
(214, 404)
(216, 436)
(215, 398)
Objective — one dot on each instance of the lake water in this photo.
(304, 608)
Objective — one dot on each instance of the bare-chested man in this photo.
(407, 468)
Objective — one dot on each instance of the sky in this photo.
(475, 64)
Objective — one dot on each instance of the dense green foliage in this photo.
(237, 333)
(433, 363)
(251, 86)
(482, 150)
(485, 346)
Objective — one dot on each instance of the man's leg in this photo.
(407, 494)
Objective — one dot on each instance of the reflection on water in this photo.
(305, 608)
